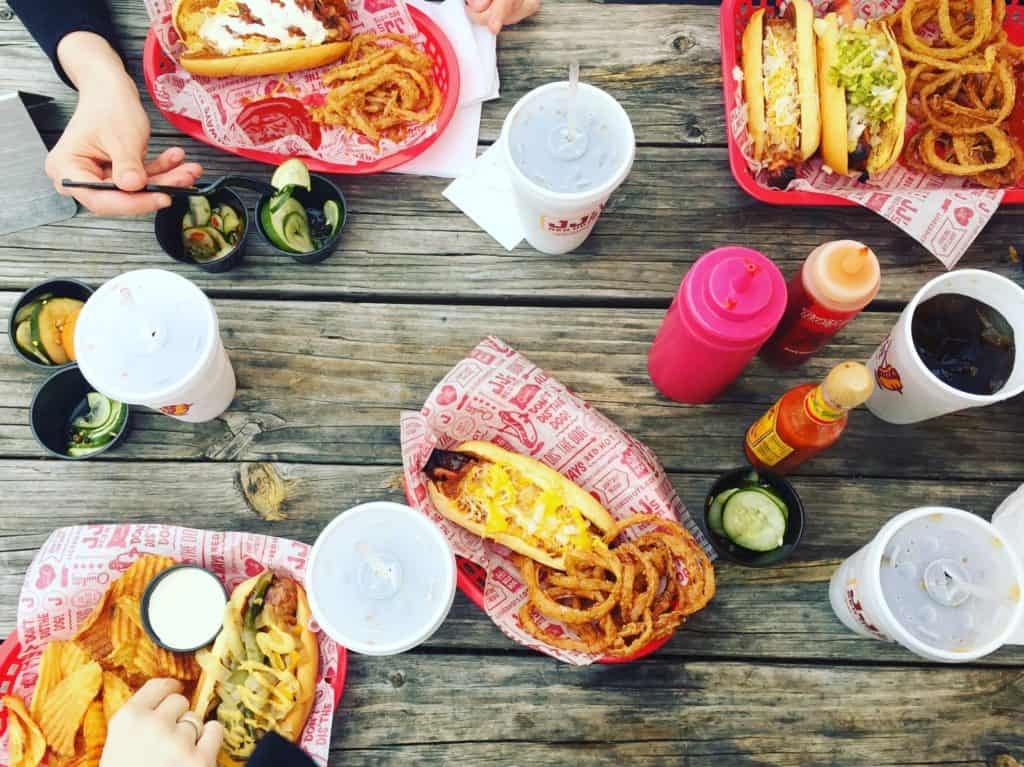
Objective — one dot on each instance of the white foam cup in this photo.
(381, 578)
(152, 338)
(905, 390)
(555, 222)
(1008, 519)
(942, 582)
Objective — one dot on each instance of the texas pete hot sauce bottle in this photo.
(836, 281)
(807, 419)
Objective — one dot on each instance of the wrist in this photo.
(91, 62)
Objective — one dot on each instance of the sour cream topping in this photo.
(227, 33)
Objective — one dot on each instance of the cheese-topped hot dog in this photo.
(516, 501)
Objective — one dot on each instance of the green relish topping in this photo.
(868, 73)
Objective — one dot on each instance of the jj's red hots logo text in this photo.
(568, 226)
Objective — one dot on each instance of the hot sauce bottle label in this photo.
(815, 325)
(819, 409)
(764, 441)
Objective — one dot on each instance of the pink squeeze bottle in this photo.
(727, 306)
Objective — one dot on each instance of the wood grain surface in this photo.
(328, 356)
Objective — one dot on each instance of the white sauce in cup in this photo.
(185, 609)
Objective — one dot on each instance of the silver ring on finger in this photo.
(193, 722)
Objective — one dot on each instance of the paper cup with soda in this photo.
(152, 338)
(567, 148)
(942, 582)
(954, 347)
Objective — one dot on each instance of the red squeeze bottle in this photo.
(836, 281)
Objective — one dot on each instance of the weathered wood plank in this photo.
(782, 612)
(324, 382)
(661, 62)
(462, 709)
(404, 239)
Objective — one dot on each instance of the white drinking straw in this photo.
(574, 79)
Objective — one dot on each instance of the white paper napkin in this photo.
(453, 153)
(485, 194)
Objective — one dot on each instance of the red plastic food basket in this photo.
(472, 578)
(11, 663)
(156, 62)
(733, 20)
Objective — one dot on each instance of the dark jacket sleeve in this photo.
(275, 751)
(48, 21)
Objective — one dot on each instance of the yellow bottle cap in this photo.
(848, 384)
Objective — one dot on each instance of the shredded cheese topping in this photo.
(506, 501)
(781, 89)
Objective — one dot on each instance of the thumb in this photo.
(127, 170)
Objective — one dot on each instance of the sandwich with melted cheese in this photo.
(515, 501)
(863, 94)
(780, 86)
(260, 37)
(260, 674)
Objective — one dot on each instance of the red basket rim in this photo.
(10, 653)
(152, 53)
(738, 165)
(473, 589)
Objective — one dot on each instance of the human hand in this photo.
(107, 137)
(155, 728)
(495, 14)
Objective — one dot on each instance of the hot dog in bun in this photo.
(863, 95)
(516, 501)
(781, 89)
(260, 674)
(260, 37)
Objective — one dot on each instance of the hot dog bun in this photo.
(501, 495)
(781, 90)
(865, 143)
(224, 658)
(245, 44)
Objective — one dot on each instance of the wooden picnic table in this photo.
(327, 356)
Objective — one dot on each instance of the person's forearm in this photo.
(51, 21)
(88, 58)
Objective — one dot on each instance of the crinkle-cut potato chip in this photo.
(94, 634)
(63, 710)
(73, 657)
(76, 759)
(135, 579)
(116, 693)
(95, 730)
(123, 656)
(126, 626)
(49, 676)
(25, 742)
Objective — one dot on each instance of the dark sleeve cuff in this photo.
(275, 751)
(49, 21)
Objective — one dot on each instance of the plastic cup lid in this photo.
(381, 578)
(143, 334)
(951, 581)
